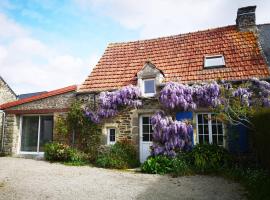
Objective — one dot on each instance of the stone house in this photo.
(235, 53)
(29, 122)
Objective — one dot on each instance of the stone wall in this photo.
(12, 134)
(6, 94)
(54, 102)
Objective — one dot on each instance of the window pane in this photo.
(200, 129)
(206, 130)
(201, 139)
(46, 131)
(220, 130)
(220, 140)
(151, 137)
(29, 133)
(214, 129)
(205, 119)
(149, 86)
(206, 139)
(146, 129)
(214, 139)
(146, 137)
(200, 119)
(146, 120)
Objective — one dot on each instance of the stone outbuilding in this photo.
(29, 122)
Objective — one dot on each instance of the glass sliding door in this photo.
(29, 138)
(46, 131)
(36, 132)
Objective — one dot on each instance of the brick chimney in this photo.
(246, 20)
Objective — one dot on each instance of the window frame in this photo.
(143, 87)
(212, 57)
(109, 142)
(210, 131)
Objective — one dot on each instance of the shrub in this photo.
(162, 165)
(157, 165)
(209, 158)
(121, 155)
(60, 152)
(261, 136)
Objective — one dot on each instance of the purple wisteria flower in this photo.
(170, 137)
(110, 102)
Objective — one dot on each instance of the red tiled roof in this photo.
(38, 97)
(181, 58)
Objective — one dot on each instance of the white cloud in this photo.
(30, 65)
(158, 17)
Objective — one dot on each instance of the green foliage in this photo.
(87, 133)
(61, 125)
(121, 155)
(157, 165)
(261, 136)
(63, 153)
(256, 181)
(209, 158)
(162, 165)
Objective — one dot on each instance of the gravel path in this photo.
(31, 179)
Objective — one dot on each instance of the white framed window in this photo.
(149, 87)
(147, 130)
(209, 129)
(214, 61)
(111, 136)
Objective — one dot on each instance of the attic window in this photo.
(214, 61)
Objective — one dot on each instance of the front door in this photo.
(145, 137)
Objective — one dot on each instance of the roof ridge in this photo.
(111, 44)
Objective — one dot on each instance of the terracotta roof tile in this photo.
(38, 97)
(180, 57)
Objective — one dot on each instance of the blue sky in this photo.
(47, 44)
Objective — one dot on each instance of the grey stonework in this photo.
(53, 102)
(6, 93)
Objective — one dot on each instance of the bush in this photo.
(157, 165)
(209, 158)
(163, 165)
(121, 155)
(60, 152)
(261, 136)
(256, 181)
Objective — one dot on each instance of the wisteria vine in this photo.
(169, 136)
(111, 102)
(177, 96)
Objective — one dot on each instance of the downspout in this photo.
(3, 130)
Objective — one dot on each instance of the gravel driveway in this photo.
(32, 179)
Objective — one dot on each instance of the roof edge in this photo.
(38, 97)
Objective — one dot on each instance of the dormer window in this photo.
(149, 87)
(214, 61)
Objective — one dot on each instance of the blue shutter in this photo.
(188, 116)
(184, 115)
(238, 139)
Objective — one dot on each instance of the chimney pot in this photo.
(246, 19)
